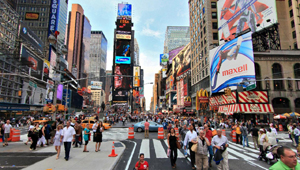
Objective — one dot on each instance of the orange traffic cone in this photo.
(113, 154)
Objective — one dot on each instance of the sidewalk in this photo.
(81, 160)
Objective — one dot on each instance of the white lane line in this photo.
(145, 148)
(159, 149)
(241, 147)
(252, 163)
(131, 155)
(179, 153)
(240, 155)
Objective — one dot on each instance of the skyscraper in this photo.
(35, 14)
(98, 54)
(136, 53)
(176, 36)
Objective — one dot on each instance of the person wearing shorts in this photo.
(7, 128)
(86, 133)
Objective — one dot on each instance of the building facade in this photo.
(98, 55)
(36, 15)
(136, 53)
(108, 85)
(176, 36)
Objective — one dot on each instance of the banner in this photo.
(122, 79)
(237, 16)
(124, 11)
(164, 59)
(96, 85)
(137, 74)
(33, 95)
(32, 61)
(232, 63)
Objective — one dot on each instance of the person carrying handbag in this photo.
(202, 150)
(172, 142)
(190, 135)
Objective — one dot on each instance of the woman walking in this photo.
(29, 138)
(202, 151)
(272, 137)
(34, 132)
(172, 138)
(98, 137)
(58, 140)
(86, 132)
(2, 134)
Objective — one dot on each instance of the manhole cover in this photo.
(118, 144)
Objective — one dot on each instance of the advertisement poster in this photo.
(96, 85)
(181, 92)
(46, 67)
(123, 48)
(137, 74)
(141, 89)
(232, 63)
(32, 61)
(29, 36)
(124, 26)
(31, 94)
(121, 81)
(59, 93)
(121, 95)
(235, 16)
(182, 63)
(173, 99)
(124, 11)
(136, 96)
(49, 92)
(52, 64)
(122, 60)
(164, 59)
(174, 52)
(32, 16)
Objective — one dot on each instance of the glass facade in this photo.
(176, 36)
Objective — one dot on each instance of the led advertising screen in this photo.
(174, 52)
(32, 61)
(122, 79)
(96, 85)
(182, 63)
(123, 48)
(32, 94)
(164, 59)
(235, 16)
(124, 24)
(59, 93)
(124, 11)
(232, 63)
(137, 74)
(121, 95)
(122, 60)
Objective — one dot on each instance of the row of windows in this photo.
(34, 1)
(198, 77)
(32, 24)
(34, 9)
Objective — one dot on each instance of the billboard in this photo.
(32, 61)
(182, 63)
(122, 79)
(29, 36)
(232, 63)
(97, 85)
(124, 25)
(123, 36)
(164, 59)
(54, 16)
(52, 63)
(174, 52)
(32, 94)
(122, 60)
(33, 16)
(123, 48)
(121, 95)
(59, 92)
(237, 16)
(137, 74)
(124, 11)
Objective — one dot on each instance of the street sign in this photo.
(32, 84)
(251, 87)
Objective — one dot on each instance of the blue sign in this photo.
(54, 16)
(122, 60)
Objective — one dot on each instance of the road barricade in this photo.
(233, 136)
(280, 127)
(223, 132)
(15, 136)
(160, 133)
(130, 133)
(176, 131)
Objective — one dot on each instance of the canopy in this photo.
(279, 117)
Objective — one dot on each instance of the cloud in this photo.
(149, 32)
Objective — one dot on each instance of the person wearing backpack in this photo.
(244, 135)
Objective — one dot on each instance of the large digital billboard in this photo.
(137, 75)
(235, 16)
(124, 25)
(174, 52)
(122, 60)
(96, 85)
(122, 79)
(124, 10)
(123, 48)
(232, 63)
(120, 95)
(32, 94)
(164, 59)
(32, 61)
(182, 63)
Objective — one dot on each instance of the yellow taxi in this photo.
(91, 123)
(41, 120)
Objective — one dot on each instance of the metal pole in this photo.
(66, 100)
(54, 100)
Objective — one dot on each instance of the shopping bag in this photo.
(168, 153)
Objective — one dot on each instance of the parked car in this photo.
(91, 123)
(153, 126)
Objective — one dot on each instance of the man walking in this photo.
(208, 135)
(165, 126)
(68, 137)
(238, 134)
(244, 135)
(146, 129)
(288, 160)
(7, 128)
(220, 142)
(254, 133)
(78, 130)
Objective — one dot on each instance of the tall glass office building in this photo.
(176, 36)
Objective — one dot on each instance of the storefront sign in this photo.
(253, 97)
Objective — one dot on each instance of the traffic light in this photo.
(20, 93)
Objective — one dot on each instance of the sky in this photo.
(150, 19)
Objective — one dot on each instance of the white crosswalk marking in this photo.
(159, 150)
(145, 148)
(240, 146)
(231, 151)
(231, 157)
(179, 153)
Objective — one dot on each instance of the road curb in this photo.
(119, 157)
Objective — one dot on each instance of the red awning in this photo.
(228, 113)
(246, 108)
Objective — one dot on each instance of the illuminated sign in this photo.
(123, 24)
(31, 16)
(54, 13)
(123, 36)
(122, 60)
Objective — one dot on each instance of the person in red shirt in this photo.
(146, 129)
(142, 164)
(208, 135)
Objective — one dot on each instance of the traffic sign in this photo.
(32, 84)
(251, 87)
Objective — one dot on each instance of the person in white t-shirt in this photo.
(68, 137)
(7, 128)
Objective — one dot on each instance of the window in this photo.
(277, 74)
(291, 13)
(267, 81)
(205, 50)
(203, 73)
(213, 5)
(214, 25)
(201, 44)
(294, 34)
(202, 63)
(214, 15)
(292, 24)
(204, 30)
(206, 60)
(289, 84)
(297, 75)
(215, 36)
(290, 3)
